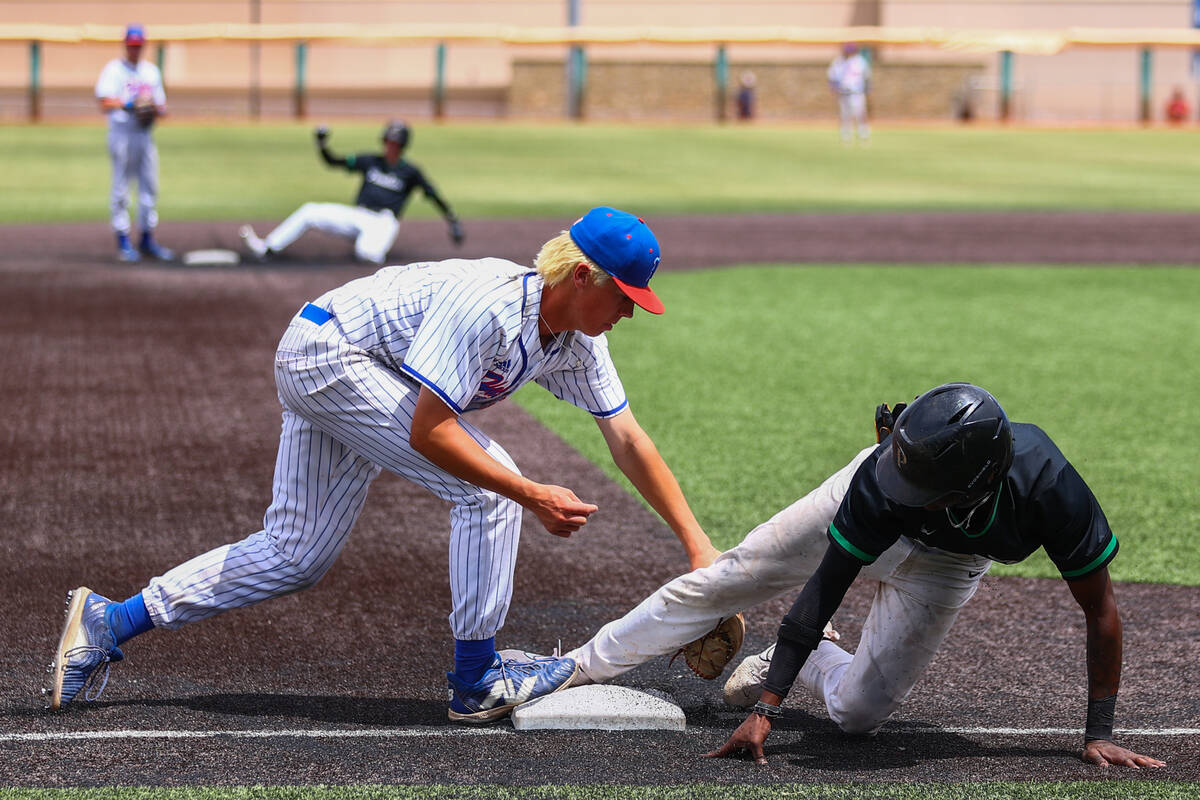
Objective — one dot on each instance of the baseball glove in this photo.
(709, 655)
(145, 111)
(885, 419)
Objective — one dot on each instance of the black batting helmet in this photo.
(396, 131)
(950, 447)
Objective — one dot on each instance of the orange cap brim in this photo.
(644, 296)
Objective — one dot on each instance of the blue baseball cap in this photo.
(623, 246)
(135, 34)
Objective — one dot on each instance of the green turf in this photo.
(1109, 790)
(246, 171)
(761, 381)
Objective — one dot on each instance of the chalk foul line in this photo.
(439, 732)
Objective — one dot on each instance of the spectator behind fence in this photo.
(745, 96)
(1177, 108)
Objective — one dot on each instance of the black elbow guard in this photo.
(798, 633)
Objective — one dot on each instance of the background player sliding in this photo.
(373, 222)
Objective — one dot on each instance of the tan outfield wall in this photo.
(674, 90)
(492, 78)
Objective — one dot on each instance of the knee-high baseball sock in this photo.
(472, 657)
(128, 619)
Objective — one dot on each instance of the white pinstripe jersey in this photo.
(468, 330)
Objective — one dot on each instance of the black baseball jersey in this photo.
(388, 186)
(1043, 502)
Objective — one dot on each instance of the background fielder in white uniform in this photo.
(375, 375)
(849, 78)
(131, 94)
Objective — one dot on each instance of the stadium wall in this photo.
(496, 79)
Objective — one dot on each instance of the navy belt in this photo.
(315, 314)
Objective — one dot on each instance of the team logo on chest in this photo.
(495, 381)
(387, 180)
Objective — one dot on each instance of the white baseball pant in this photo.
(921, 591)
(776, 557)
(852, 111)
(346, 416)
(373, 232)
(134, 155)
(915, 605)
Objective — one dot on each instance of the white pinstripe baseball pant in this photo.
(345, 416)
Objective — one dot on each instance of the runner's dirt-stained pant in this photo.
(373, 232)
(915, 605)
(920, 593)
(346, 416)
(134, 156)
(776, 557)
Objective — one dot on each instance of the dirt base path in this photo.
(140, 429)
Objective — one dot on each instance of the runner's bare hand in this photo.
(748, 738)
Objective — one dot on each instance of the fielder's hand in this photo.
(1104, 754)
(144, 110)
(456, 231)
(559, 510)
(322, 133)
(749, 738)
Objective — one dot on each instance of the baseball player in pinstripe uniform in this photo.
(951, 487)
(849, 77)
(376, 375)
(131, 94)
(373, 222)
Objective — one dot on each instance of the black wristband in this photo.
(1100, 719)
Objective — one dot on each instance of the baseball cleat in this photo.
(86, 646)
(153, 249)
(506, 685)
(744, 686)
(125, 250)
(257, 247)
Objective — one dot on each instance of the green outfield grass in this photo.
(245, 171)
(761, 381)
(1109, 790)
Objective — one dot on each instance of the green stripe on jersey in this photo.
(1075, 573)
(866, 558)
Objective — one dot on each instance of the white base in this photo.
(599, 707)
(209, 258)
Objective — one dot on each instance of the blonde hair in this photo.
(558, 258)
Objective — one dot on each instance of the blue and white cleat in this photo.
(150, 247)
(86, 645)
(506, 685)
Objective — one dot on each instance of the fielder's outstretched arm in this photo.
(1104, 645)
(636, 456)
